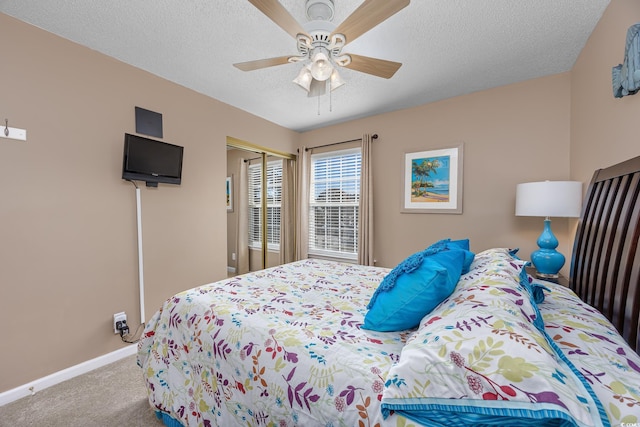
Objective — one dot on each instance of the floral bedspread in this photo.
(596, 349)
(279, 347)
(481, 358)
(285, 347)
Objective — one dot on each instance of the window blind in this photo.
(334, 197)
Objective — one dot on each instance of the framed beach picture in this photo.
(433, 181)
(229, 194)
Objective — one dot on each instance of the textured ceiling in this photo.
(447, 47)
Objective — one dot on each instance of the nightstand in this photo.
(561, 280)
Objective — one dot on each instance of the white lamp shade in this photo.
(317, 88)
(336, 81)
(549, 199)
(304, 79)
(321, 67)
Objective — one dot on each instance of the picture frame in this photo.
(229, 193)
(432, 181)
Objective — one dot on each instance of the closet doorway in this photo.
(260, 207)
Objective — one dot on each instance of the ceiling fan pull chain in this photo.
(318, 104)
(330, 101)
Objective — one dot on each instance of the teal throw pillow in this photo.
(415, 287)
(468, 255)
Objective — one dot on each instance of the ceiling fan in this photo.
(320, 42)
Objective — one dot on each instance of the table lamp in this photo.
(548, 199)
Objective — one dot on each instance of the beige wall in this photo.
(68, 251)
(604, 129)
(511, 134)
(67, 221)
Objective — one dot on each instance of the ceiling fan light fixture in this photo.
(317, 88)
(335, 80)
(304, 78)
(320, 10)
(321, 67)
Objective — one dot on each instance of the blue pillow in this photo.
(468, 255)
(415, 287)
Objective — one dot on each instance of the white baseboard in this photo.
(65, 374)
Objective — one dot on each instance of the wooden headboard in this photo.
(605, 267)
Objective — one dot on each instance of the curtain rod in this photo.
(374, 136)
(257, 158)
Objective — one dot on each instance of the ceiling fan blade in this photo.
(377, 67)
(368, 15)
(262, 63)
(278, 14)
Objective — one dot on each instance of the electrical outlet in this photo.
(118, 317)
(233, 256)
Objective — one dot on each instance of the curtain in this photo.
(287, 212)
(242, 228)
(303, 166)
(365, 224)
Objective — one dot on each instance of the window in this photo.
(334, 197)
(274, 201)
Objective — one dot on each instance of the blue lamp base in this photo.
(547, 260)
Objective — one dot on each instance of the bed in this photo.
(447, 337)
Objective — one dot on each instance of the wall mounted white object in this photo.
(13, 133)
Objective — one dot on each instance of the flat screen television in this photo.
(152, 161)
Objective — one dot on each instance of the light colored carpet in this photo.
(113, 395)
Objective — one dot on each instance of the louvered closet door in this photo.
(273, 207)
